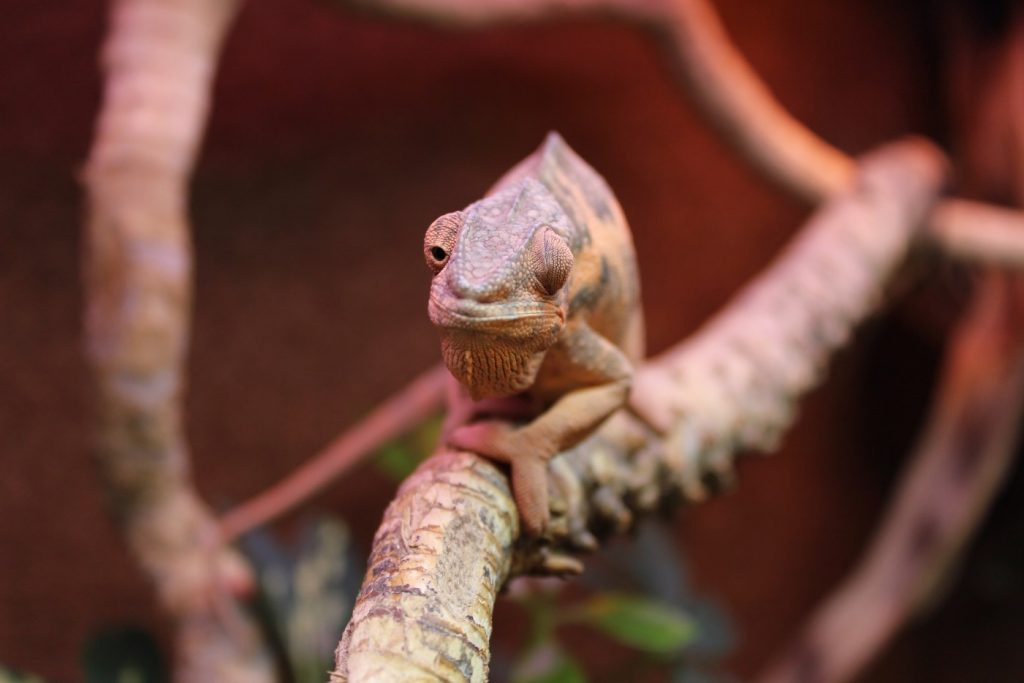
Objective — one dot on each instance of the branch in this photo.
(738, 103)
(958, 465)
(159, 59)
(411, 405)
(447, 541)
(735, 100)
(970, 442)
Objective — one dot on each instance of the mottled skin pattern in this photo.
(536, 297)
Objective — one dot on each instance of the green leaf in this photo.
(548, 664)
(123, 654)
(638, 622)
(396, 461)
(399, 458)
(423, 439)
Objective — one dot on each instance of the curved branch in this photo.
(735, 100)
(719, 402)
(159, 60)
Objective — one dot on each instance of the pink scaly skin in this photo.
(536, 296)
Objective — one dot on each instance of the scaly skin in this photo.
(537, 300)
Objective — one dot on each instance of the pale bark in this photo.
(159, 60)
(730, 388)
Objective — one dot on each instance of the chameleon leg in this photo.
(528, 448)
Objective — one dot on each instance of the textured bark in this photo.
(440, 556)
(159, 60)
(730, 388)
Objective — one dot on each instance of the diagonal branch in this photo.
(410, 406)
(737, 102)
(159, 60)
(447, 542)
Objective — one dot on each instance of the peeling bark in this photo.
(159, 59)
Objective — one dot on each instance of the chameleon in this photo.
(536, 297)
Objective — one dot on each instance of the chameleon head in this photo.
(501, 271)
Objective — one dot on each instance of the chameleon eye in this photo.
(551, 260)
(440, 240)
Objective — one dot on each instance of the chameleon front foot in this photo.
(528, 455)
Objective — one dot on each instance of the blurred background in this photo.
(334, 140)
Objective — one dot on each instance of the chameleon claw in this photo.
(560, 564)
(611, 508)
(584, 540)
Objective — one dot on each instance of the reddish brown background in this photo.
(334, 141)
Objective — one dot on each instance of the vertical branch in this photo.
(159, 60)
(439, 557)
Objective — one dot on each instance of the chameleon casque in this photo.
(537, 300)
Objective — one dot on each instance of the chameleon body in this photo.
(537, 301)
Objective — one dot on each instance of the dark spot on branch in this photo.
(807, 664)
(924, 535)
(969, 439)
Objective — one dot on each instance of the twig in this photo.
(159, 59)
(400, 412)
(446, 542)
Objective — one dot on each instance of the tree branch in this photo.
(159, 59)
(735, 100)
(959, 463)
(729, 388)
(970, 441)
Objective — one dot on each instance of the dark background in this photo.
(334, 141)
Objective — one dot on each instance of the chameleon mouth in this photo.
(506, 319)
